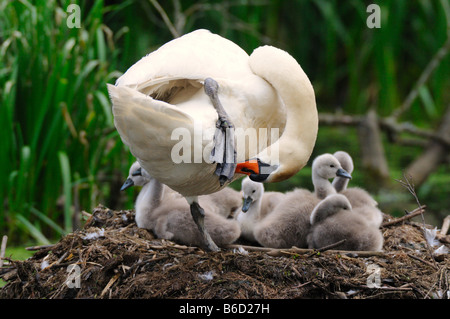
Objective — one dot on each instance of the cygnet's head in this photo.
(346, 160)
(252, 191)
(336, 202)
(330, 206)
(327, 166)
(136, 177)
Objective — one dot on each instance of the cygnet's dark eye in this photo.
(253, 191)
(331, 165)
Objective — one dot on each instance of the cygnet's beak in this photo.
(247, 202)
(128, 183)
(343, 173)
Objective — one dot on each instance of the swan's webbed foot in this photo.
(198, 214)
(224, 151)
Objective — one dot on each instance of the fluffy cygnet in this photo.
(227, 201)
(173, 221)
(357, 196)
(288, 225)
(333, 220)
(150, 196)
(167, 214)
(257, 204)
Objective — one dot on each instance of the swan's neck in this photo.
(149, 198)
(254, 211)
(295, 145)
(340, 183)
(322, 186)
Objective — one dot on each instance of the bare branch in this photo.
(429, 69)
(388, 124)
(32, 248)
(275, 252)
(409, 185)
(445, 226)
(339, 119)
(424, 261)
(418, 211)
(325, 248)
(166, 19)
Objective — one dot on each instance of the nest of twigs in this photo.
(113, 258)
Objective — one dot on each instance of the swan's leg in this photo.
(198, 214)
(224, 151)
(211, 89)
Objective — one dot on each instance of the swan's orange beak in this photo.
(248, 167)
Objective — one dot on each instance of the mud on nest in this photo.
(116, 259)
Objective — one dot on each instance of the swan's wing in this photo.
(145, 124)
(194, 56)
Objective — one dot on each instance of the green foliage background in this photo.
(59, 151)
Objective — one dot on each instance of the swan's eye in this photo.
(253, 191)
(331, 165)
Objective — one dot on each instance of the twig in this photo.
(414, 213)
(445, 226)
(166, 19)
(110, 283)
(325, 248)
(422, 260)
(391, 288)
(86, 214)
(423, 79)
(303, 284)
(58, 263)
(247, 247)
(340, 119)
(3, 249)
(276, 252)
(409, 185)
(32, 248)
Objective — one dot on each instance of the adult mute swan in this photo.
(200, 85)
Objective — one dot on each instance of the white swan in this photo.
(257, 205)
(333, 220)
(199, 80)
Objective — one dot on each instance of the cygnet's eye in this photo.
(331, 165)
(253, 191)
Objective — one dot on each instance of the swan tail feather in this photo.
(144, 122)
